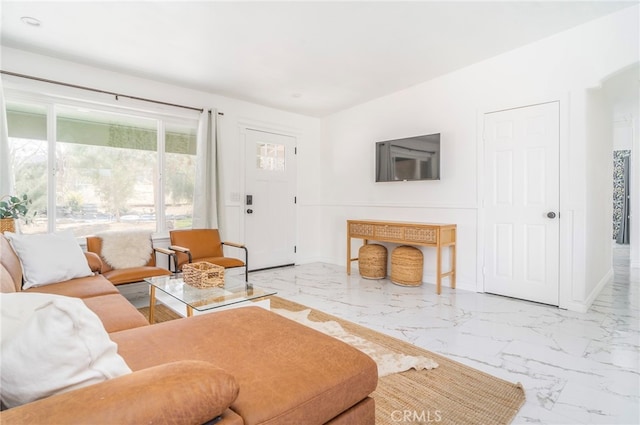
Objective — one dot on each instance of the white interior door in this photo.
(270, 210)
(522, 202)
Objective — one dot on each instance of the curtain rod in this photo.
(117, 95)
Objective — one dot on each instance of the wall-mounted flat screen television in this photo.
(412, 158)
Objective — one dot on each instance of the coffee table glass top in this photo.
(235, 290)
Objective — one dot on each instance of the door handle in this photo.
(551, 214)
(249, 211)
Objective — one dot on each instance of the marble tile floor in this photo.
(576, 368)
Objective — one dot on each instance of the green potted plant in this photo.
(12, 208)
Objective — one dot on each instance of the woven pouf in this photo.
(372, 261)
(406, 266)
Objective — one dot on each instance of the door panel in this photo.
(502, 179)
(504, 250)
(270, 218)
(521, 187)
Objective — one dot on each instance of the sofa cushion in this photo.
(115, 312)
(49, 258)
(84, 287)
(52, 344)
(11, 263)
(6, 281)
(184, 392)
(287, 373)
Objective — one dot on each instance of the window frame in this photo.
(162, 115)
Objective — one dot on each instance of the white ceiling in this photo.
(313, 58)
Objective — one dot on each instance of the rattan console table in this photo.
(421, 234)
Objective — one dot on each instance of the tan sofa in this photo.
(241, 366)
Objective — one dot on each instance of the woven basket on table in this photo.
(406, 266)
(372, 261)
(7, 225)
(203, 275)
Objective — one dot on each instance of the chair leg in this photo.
(175, 263)
(170, 256)
(246, 265)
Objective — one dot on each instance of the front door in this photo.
(522, 202)
(269, 203)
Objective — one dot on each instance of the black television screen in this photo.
(413, 158)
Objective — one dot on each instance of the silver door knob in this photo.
(551, 214)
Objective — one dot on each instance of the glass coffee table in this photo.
(234, 291)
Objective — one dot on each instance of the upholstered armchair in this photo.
(193, 245)
(134, 258)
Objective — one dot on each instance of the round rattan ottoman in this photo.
(372, 261)
(406, 266)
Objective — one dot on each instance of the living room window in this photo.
(92, 169)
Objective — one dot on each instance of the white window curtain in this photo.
(6, 177)
(206, 207)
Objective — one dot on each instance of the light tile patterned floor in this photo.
(576, 368)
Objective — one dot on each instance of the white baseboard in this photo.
(309, 260)
(583, 307)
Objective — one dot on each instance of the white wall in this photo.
(599, 200)
(560, 68)
(236, 114)
(336, 154)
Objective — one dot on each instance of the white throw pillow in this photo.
(49, 258)
(52, 344)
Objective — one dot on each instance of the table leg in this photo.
(348, 253)
(189, 311)
(453, 266)
(439, 270)
(152, 304)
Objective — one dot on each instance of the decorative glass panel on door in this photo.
(270, 157)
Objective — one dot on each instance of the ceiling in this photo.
(313, 58)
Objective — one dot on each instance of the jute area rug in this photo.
(452, 393)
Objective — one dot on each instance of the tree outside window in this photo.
(107, 169)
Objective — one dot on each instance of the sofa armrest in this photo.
(94, 261)
(184, 392)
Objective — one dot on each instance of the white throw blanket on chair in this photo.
(124, 249)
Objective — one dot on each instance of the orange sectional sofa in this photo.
(242, 366)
